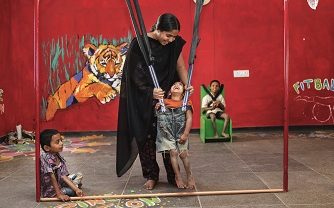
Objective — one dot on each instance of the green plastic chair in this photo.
(206, 130)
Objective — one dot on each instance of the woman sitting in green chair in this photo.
(213, 104)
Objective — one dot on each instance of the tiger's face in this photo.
(105, 60)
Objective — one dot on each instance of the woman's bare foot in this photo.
(191, 182)
(225, 135)
(179, 182)
(150, 184)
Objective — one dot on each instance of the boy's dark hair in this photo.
(46, 137)
(214, 81)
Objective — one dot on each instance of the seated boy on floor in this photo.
(213, 104)
(55, 179)
(173, 127)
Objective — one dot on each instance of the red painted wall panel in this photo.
(311, 34)
(16, 65)
(250, 36)
(234, 35)
(4, 62)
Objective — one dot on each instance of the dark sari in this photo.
(135, 115)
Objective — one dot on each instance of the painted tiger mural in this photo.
(101, 77)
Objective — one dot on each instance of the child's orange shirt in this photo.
(176, 103)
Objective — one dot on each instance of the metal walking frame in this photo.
(143, 43)
(194, 43)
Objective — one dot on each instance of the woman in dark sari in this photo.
(136, 131)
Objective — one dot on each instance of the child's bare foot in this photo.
(216, 136)
(150, 184)
(179, 182)
(191, 182)
(225, 135)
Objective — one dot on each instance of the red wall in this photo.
(16, 64)
(234, 35)
(250, 36)
(312, 52)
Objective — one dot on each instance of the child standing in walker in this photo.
(173, 127)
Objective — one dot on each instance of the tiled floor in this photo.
(252, 161)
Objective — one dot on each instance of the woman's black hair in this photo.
(46, 137)
(167, 22)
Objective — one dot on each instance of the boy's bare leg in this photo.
(175, 165)
(186, 163)
(213, 121)
(226, 120)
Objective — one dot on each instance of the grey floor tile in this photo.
(228, 181)
(248, 206)
(243, 200)
(10, 167)
(17, 192)
(274, 180)
(329, 205)
(293, 198)
(270, 162)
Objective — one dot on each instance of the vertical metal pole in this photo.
(37, 103)
(286, 96)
